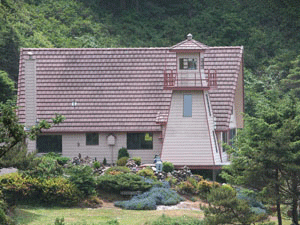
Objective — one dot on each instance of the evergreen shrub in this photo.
(104, 161)
(123, 152)
(122, 161)
(150, 199)
(186, 187)
(147, 172)
(168, 167)
(117, 170)
(82, 176)
(18, 188)
(204, 187)
(122, 182)
(96, 165)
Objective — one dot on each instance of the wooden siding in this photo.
(187, 140)
(72, 149)
(30, 99)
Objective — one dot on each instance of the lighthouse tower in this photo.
(189, 137)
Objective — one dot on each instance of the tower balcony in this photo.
(190, 80)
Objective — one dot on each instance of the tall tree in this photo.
(267, 154)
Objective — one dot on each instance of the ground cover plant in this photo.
(151, 199)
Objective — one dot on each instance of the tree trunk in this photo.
(294, 200)
(279, 218)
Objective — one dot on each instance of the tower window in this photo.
(188, 63)
(187, 105)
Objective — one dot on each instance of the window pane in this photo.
(49, 143)
(92, 139)
(188, 63)
(187, 105)
(139, 141)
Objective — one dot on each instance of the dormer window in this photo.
(188, 63)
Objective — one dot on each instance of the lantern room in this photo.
(190, 73)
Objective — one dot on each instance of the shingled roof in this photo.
(118, 89)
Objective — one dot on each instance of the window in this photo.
(187, 105)
(49, 143)
(188, 63)
(139, 141)
(208, 104)
(215, 138)
(232, 134)
(202, 62)
(92, 139)
(224, 139)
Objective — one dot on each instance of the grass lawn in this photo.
(84, 216)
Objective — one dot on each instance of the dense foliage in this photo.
(19, 188)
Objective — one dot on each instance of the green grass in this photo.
(83, 216)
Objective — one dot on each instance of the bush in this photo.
(204, 187)
(123, 153)
(137, 160)
(25, 189)
(117, 170)
(17, 157)
(147, 172)
(225, 208)
(82, 177)
(168, 167)
(44, 167)
(96, 165)
(149, 200)
(186, 187)
(3, 218)
(104, 161)
(122, 161)
(183, 220)
(122, 182)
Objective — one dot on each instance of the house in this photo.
(180, 102)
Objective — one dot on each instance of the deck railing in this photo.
(190, 80)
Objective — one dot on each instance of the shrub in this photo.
(3, 218)
(123, 153)
(117, 170)
(186, 187)
(149, 200)
(44, 167)
(168, 167)
(204, 187)
(17, 157)
(147, 172)
(183, 220)
(59, 191)
(82, 177)
(104, 161)
(59, 221)
(171, 180)
(137, 160)
(51, 191)
(96, 165)
(122, 161)
(225, 208)
(122, 182)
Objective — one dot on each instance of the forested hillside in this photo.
(269, 31)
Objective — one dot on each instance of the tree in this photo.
(267, 156)
(13, 133)
(293, 79)
(225, 208)
(7, 87)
